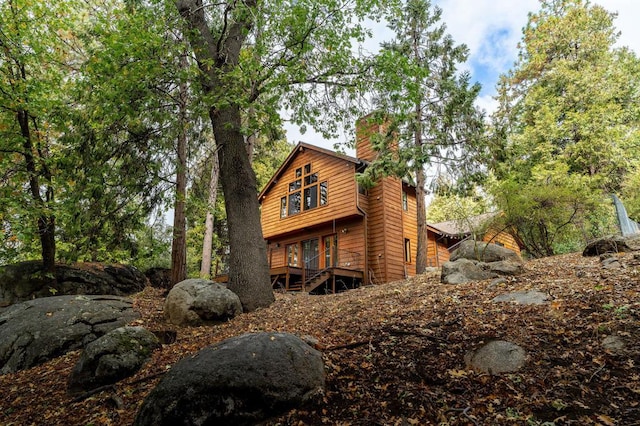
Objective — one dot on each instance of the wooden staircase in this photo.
(317, 279)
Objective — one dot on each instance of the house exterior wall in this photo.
(502, 238)
(350, 244)
(341, 194)
(371, 227)
(437, 249)
(410, 229)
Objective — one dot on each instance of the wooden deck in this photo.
(291, 279)
(328, 280)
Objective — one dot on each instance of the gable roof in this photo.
(461, 228)
(301, 147)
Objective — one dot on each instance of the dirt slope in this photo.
(395, 354)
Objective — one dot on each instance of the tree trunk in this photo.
(421, 256)
(218, 55)
(205, 267)
(179, 243)
(248, 266)
(46, 222)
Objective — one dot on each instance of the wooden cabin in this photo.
(444, 237)
(325, 233)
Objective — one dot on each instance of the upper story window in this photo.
(304, 193)
(405, 201)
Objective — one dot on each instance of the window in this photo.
(294, 203)
(311, 179)
(323, 193)
(292, 254)
(311, 197)
(305, 193)
(295, 185)
(407, 250)
(405, 201)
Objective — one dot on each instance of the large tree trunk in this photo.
(248, 266)
(205, 267)
(219, 55)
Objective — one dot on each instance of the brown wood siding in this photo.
(350, 234)
(341, 200)
(364, 130)
(437, 250)
(386, 232)
(502, 238)
(376, 237)
(410, 227)
(393, 230)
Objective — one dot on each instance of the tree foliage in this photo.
(427, 103)
(571, 104)
(94, 78)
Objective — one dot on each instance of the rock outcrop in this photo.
(242, 380)
(38, 330)
(27, 280)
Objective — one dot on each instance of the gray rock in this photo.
(615, 344)
(611, 263)
(476, 260)
(464, 270)
(497, 282)
(606, 245)
(496, 357)
(506, 267)
(484, 252)
(196, 301)
(242, 380)
(111, 358)
(27, 280)
(523, 297)
(159, 277)
(38, 330)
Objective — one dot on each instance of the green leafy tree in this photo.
(124, 127)
(427, 102)
(631, 193)
(285, 54)
(572, 101)
(36, 56)
(550, 211)
(450, 205)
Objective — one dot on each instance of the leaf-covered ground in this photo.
(394, 354)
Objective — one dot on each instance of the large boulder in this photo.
(196, 301)
(111, 358)
(483, 252)
(242, 380)
(475, 260)
(38, 330)
(464, 270)
(609, 245)
(28, 280)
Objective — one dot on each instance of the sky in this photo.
(491, 29)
